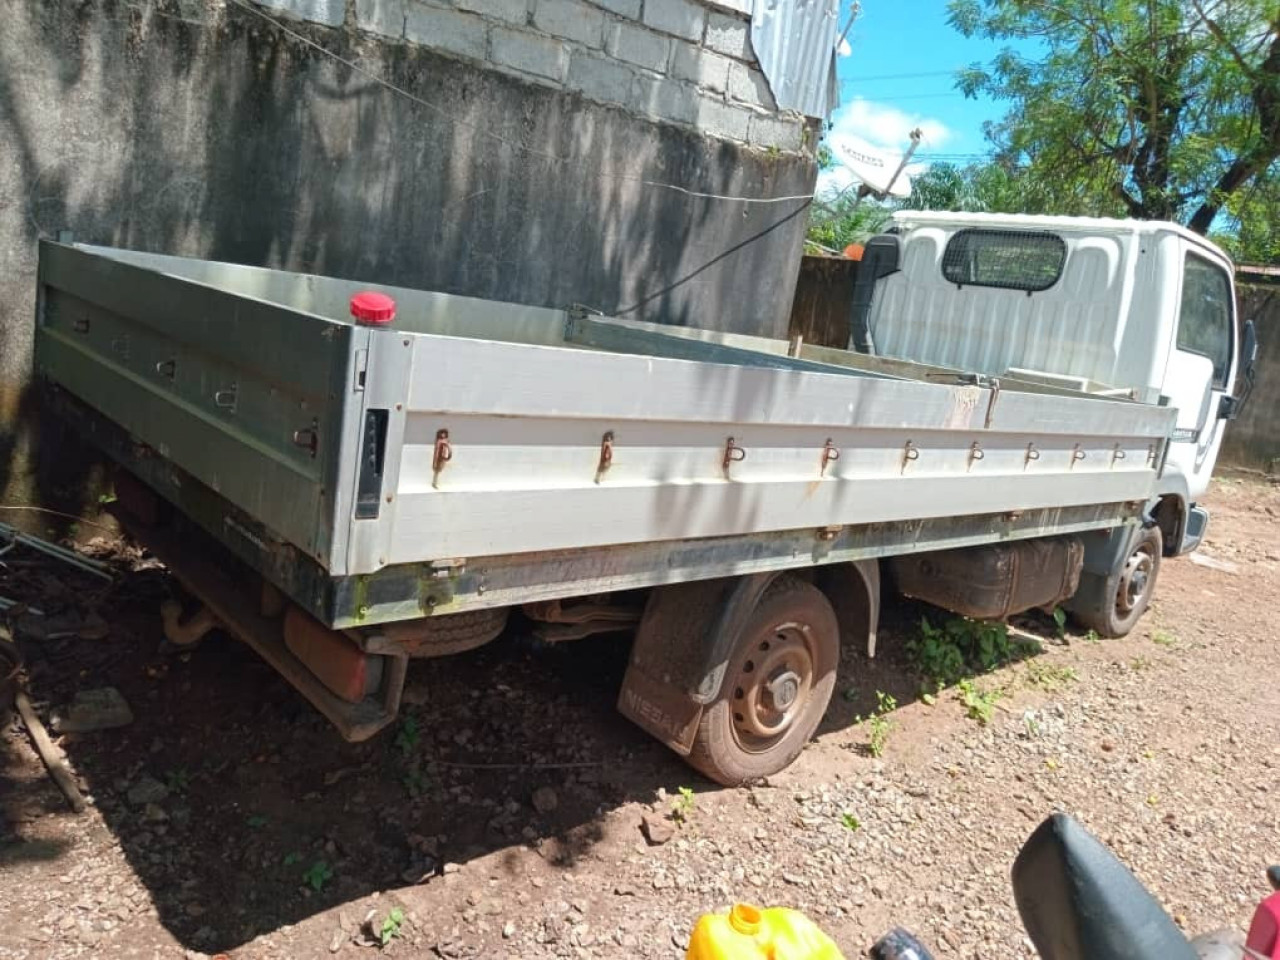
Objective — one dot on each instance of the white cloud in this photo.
(884, 127)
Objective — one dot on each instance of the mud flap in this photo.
(681, 652)
(660, 709)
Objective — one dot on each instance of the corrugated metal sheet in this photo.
(795, 41)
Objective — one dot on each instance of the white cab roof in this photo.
(1028, 221)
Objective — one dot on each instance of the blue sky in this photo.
(899, 75)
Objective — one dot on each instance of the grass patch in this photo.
(1050, 677)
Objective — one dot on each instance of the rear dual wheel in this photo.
(776, 687)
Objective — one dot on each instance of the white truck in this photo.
(349, 475)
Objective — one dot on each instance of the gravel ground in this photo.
(505, 820)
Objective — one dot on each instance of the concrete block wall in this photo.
(682, 62)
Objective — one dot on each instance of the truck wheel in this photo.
(1112, 604)
(776, 688)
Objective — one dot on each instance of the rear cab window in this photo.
(1026, 260)
(1205, 315)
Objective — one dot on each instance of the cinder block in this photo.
(599, 78)
(748, 85)
(328, 12)
(729, 35)
(383, 17)
(449, 30)
(700, 66)
(529, 53)
(738, 6)
(722, 119)
(634, 44)
(513, 11)
(684, 18)
(570, 19)
(623, 8)
(665, 99)
(782, 133)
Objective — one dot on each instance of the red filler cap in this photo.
(373, 309)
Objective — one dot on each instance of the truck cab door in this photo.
(1201, 369)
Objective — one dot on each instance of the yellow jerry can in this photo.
(750, 933)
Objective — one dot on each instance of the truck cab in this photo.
(1122, 308)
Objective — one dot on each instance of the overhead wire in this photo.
(902, 76)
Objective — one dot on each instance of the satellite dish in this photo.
(875, 168)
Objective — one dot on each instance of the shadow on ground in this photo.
(241, 811)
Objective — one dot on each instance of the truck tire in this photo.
(776, 688)
(448, 633)
(1111, 604)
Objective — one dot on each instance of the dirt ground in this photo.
(502, 819)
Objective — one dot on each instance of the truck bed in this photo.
(478, 453)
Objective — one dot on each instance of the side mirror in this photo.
(1078, 902)
(1249, 348)
(1248, 368)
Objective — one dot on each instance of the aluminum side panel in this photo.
(526, 425)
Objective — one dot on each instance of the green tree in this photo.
(991, 187)
(834, 223)
(1157, 109)
(1249, 227)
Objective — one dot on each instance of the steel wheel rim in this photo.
(1135, 581)
(772, 687)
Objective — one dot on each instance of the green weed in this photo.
(1060, 621)
(317, 875)
(256, 822)
(292, 858)
(979, 705)
(408, 736)
(682, 806)
(1163, 638)
(850, 822)
(878, 723)
(178, 779)
(391, 924)
(959, 647)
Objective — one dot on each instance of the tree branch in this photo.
(1135, 208)
(1221, 36)
(1241, 169)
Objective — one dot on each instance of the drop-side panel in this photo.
(243, 394)
(506, 449)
